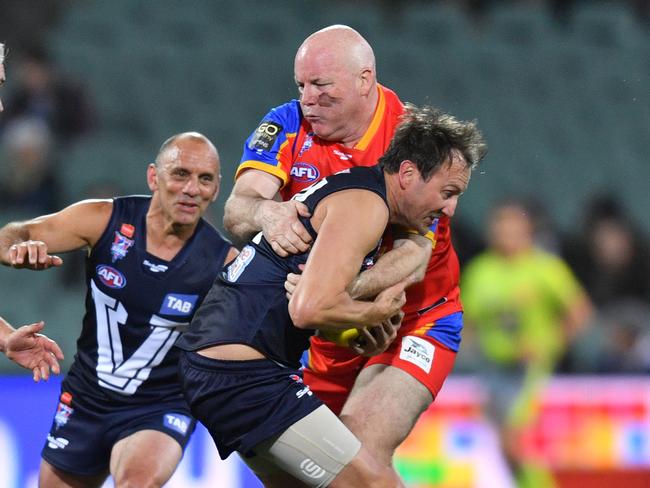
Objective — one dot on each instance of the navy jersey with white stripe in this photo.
(136, 307)
(247, 303)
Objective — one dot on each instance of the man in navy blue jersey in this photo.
(240, 369)
(151, 260)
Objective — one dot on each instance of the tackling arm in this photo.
(255, 205)
(344, 238)
(406, 261)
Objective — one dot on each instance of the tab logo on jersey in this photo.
(178, 304)
(265, 136)
(120, 247)
(110, 276)
(417, 351)
(304, 172)
(175, 421)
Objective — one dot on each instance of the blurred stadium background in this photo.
(560, 88)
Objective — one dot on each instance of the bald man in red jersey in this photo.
(345, 118)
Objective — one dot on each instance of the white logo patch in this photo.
(239, 264)
(311, 469)
(417, 351)
(56, 442)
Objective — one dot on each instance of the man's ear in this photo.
(407, 173)
(152, 177)
(365, 81)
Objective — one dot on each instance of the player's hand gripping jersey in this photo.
(284, 145)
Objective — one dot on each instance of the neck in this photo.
(164, 237)
(392, 193)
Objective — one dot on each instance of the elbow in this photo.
(303, 313)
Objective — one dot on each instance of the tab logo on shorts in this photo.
(265, 136)
(56, 442)
(311, 469)
(417, 351)
(175, 421)
(120, 246)
(304, 172)
(110, 276)
(178, 304)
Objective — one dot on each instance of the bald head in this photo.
(173, 147)
(335, 73)
(339, 43)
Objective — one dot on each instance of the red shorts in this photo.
(333, 369)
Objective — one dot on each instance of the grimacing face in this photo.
(437, 197)
(329, 94)
(186, 181)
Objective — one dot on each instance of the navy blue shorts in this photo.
(84, 431)
(243, 403)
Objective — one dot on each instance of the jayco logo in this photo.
(311, 469)
(178, 304)
(417, 351)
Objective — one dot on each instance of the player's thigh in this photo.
(145, 458)
(51, 477)
(317, 451)
(383, 407)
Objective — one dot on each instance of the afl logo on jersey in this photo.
(110, 276)
(305, 172)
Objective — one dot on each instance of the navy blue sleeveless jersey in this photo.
(247, 303)
(136, 307)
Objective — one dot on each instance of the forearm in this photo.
(406, 262)
(340, 312)
(11, 234)
(242, 216)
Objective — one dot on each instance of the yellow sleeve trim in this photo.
(429, 235)
(267, 168)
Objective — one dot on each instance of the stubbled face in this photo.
(510, 230)
(427, 200)
(186, 181)
(330, 94)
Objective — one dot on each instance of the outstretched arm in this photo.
(254, 206)
(31, 350)
(29, 244)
